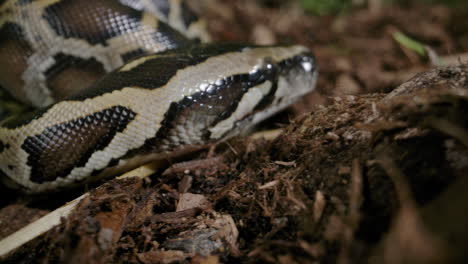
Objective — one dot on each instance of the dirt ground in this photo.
(362, 172)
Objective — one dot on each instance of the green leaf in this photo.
(409, 43)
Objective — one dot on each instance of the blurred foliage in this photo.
(325, 7)
(444, 2)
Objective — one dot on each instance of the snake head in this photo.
(220, 90)
(253, 83)
(288, 72)
(213, 92)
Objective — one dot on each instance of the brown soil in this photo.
(360, 175)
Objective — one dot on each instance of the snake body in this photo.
(119, 83)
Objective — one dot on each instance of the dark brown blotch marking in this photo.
(96, 21)
(59, 149)
(14, 52)
(70, 75)
(100, 20)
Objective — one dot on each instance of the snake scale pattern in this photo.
(118, 83)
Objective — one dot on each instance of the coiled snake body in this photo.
(119, 83)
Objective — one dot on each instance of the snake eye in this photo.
(256, 75)
(265, 70)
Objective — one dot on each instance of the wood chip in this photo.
(268, 185)
(286, 163)
(190, 200)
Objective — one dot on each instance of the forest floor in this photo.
(365, 170)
